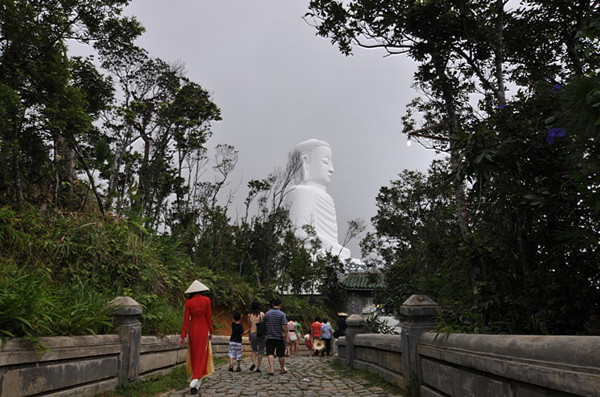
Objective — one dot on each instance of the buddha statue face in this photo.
(317, 163)
(320, 167)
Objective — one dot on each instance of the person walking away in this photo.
(292, 337)
(299, 335)
(340, 331)
(276, 335)
(235, 342)
(198, 328)
(326, 333)
(315, 331)
(257, 343)
(341, 325)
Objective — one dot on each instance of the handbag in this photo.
(293, 337)
(261, 327)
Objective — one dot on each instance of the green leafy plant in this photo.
(376, 325)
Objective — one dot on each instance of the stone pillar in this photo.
(419, 314)
(356, 325)
(129, 328)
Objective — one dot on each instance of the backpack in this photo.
(261, 327)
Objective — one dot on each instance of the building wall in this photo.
(357, 300)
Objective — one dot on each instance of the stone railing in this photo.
(88, 365)
(463, 365)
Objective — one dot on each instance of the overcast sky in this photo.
(278, 84)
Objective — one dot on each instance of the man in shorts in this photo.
(276, 334)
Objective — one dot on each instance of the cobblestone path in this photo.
(306, 377)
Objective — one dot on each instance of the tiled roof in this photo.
(363, 281)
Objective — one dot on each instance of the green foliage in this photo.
(375, 325)
(507, 238)
(61, 270)
(24, 303)
(49, 101)
(33, 305)
(80, 310)
(418, 241)
(232, 291)
(304, 310)
(94, 162)
(152, 387)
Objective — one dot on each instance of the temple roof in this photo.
(362, 281)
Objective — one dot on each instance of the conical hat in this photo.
(319, 345)
(196, 286)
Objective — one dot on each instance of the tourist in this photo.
(326, 333)
(198, 328)
(235, 342)
(276, 335)
(315, 331)
(299, 334)
(341, 325)
(292, 338)
(257, 343)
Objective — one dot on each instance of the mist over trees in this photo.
(505, 235)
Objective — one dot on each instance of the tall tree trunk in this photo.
(499, 52)
(462, 214)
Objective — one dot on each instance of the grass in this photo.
(158, 386)
(176, 380)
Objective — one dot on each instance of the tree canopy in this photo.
(520, 121)
(106, 184)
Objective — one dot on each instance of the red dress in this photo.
(198, 320)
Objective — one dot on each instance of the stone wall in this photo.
(464, 365)
(379, 354)
(88, 365)
(502, 365)
(81, 366)
(70, 366)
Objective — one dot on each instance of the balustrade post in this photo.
(419, 314)
(129, 328)
(356, 325)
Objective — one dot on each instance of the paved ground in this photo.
(306, 377)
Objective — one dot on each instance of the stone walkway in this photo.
(306, 377)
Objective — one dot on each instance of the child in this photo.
(308, 343)
(235, 342)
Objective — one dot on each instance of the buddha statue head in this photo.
(317, 162)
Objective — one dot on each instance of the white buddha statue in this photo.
(309, 203)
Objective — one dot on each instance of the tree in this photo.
(46, 103)
(457, 45)
(515, 211)
(416, 240)
(168, 117)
